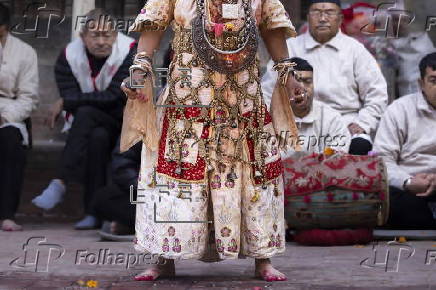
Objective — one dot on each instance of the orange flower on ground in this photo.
(329, 151)
(92, 284)
(402, 240)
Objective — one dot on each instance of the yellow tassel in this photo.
(255, 197)
(152, 184)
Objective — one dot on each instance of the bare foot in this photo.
(165, 268)
(11, 226)
(266, 271)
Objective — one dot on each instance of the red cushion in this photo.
(347, 237)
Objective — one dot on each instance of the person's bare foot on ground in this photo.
(11, 226)
(166, 268)
(266, 271)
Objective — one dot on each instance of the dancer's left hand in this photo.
(132, 93)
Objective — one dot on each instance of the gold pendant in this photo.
(152, 184)
(230, 11)
(255, 197)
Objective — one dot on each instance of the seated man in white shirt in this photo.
(319, 126)
(346, 75)
(18, 98)
(407, 142)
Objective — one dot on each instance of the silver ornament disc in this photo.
(230, 11)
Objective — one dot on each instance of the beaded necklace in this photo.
(222, 61)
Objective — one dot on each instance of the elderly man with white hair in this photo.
(88, 74)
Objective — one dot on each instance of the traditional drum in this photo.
(334, 191)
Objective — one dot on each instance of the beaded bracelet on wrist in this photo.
(143, 62)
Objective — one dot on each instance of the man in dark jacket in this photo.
(112, 203)
(88, 74)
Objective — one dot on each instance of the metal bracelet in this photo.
(284, 60)
(284, 68)
(147, 73)
(142, 57)
(140, 67)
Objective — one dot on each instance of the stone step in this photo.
(390, 235)
(384, 234)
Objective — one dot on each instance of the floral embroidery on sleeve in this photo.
(275, 16)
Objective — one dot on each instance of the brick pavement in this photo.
(306, 267)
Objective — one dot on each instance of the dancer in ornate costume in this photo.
(210, 184)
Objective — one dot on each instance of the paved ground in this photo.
(306, 267)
